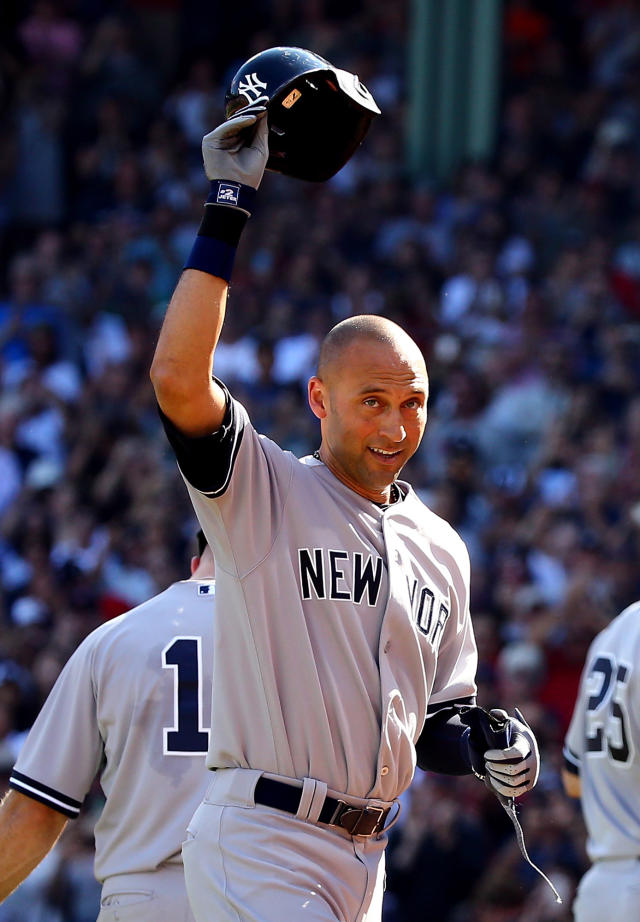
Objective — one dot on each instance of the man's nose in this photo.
(392, 427)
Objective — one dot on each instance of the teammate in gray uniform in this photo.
(602, 767)
(347, 600)
(129, 706)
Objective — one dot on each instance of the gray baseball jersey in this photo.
(603, 740)
(345, 620)
(132, 703)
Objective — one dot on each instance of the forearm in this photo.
(235, 154)
(28, 831)
(572, 784)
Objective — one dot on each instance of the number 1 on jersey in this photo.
(187, 737)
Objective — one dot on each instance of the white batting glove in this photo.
(237, 150)
(514, 771)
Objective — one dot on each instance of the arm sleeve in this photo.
(64, 749)
(442, 745)
(207, 462)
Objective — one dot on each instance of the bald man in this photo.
(346, 652)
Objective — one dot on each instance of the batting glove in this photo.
(503, 750)
(237, 150)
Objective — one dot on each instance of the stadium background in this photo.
(518, 274)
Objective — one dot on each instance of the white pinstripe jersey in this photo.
(343, 620)
(603, 741)
(132, 704)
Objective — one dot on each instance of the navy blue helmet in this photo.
(318, 114)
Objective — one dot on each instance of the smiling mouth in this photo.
(385, 455)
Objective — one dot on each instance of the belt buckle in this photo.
(360, 821)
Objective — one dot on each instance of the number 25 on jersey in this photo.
(607, 715)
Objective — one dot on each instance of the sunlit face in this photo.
(373, 410)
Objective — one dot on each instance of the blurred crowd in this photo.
(519, 277)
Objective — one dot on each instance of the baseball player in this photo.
(602, 767)
(129, 705)
(348, 643)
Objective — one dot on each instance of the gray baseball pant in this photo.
(609, 889)
(159, 896)
(249, 863)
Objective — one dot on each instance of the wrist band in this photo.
(232, 195)
(226, 212)
(212, 256)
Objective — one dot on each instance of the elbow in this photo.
(187, 396)
(184, 397)
(163, 378)
(170, 383)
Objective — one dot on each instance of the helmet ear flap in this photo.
(317, 114)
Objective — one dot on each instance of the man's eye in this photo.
(371, 402)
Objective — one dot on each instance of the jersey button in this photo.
(386, 647)
(384, 770)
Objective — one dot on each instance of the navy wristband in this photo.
(226, 212)
(212, 256)
(231, 194)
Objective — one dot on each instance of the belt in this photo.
(358, 821)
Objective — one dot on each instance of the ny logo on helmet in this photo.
(251, 86)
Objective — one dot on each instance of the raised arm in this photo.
(28, 831)
(235, 155)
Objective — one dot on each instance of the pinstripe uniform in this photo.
(132, 705)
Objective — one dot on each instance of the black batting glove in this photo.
(503, 750)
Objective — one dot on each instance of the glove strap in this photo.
(226, 212)
(509, 806)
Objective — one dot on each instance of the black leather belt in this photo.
(358, 821)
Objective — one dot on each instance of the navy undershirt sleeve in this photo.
(573, 767)
(207, 461)
(442, 745)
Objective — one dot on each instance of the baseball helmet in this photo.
(317, 113)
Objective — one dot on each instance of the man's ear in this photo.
(195, 563)
(317, 397)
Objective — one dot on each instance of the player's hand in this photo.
(514, 771)
(238, 150)
(503, 750)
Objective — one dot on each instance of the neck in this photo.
(206, 568)
(384, 497)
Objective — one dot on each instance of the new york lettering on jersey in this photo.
(340, 575)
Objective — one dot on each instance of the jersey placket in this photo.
(403, 686)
